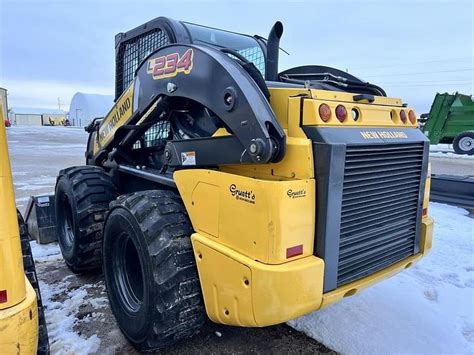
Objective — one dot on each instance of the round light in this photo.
(324, 112)
(412, 116)
(355, 114)
(341, 113)
(403, 116)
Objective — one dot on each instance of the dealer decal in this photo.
(242, 195)
(170, 65)
(383, 134)
(296, 193)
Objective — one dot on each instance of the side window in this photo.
(254, 55)
(155, 136)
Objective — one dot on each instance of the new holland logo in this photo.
(296, 194)
(170, 65)
(383, 134)
(242, 195)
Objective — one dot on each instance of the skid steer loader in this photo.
(218, 186)
(22, 323)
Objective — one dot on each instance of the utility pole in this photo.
(77, 118)
(59, 103)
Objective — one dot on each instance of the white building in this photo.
(85, 107)
(27, 116)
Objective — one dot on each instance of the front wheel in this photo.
(83, 195)
(464, 143)
(150, 271)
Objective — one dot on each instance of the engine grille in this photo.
(379, 207)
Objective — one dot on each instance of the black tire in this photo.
(82, 199)
(30, 272)
(464, 143)
(150, 271)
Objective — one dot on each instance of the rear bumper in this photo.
(19, 325)
(243, 292)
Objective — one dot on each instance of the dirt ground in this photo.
(213, 339)
(37, 154)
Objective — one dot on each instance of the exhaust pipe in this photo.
(273, 46)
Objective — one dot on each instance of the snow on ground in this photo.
(45, 252)
(61, 318)
(447, 151)
(62, 303)
(426, 309)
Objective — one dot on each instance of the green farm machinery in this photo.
(451, 121)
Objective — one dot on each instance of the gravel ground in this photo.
(37, 154)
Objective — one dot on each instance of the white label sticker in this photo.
(188, 158)
(43, 199)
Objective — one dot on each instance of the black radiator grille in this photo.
(379, 207)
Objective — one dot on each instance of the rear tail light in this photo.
(412, 116)
(294, 251)
(403, 116)
(324, 112)
(3, 296)
(425, 212)
(341, 113)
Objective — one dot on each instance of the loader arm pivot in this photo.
(177, 76)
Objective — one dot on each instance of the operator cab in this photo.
(136, 45)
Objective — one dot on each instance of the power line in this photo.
(429, 81)
(414, 63)
(419, 73)
(432, 85)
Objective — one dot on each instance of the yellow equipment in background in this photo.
(19, 320)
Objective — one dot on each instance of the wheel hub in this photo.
(128, 274)
(466, 143)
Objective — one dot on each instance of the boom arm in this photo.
(206, 76)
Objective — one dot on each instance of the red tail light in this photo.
(341, 113)
(403, 116)
(412, 116)
(3, 296)
(294, 251)
(324, 112)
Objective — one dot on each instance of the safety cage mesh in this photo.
(132, 52)
(154, 136)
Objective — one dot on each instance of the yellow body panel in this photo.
(298, 160)
(19, 315)
(261, 219)
(252, 293)
(245, 223)
(19, 325)
(11, 260)
(341, 96)
(370, 115)
(297, 163)
(258, 294)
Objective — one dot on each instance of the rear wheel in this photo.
(150, 271)
(82, 197)
(464, 143)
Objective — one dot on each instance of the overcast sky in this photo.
(51, 49)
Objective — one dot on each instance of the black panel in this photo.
(370, 195)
